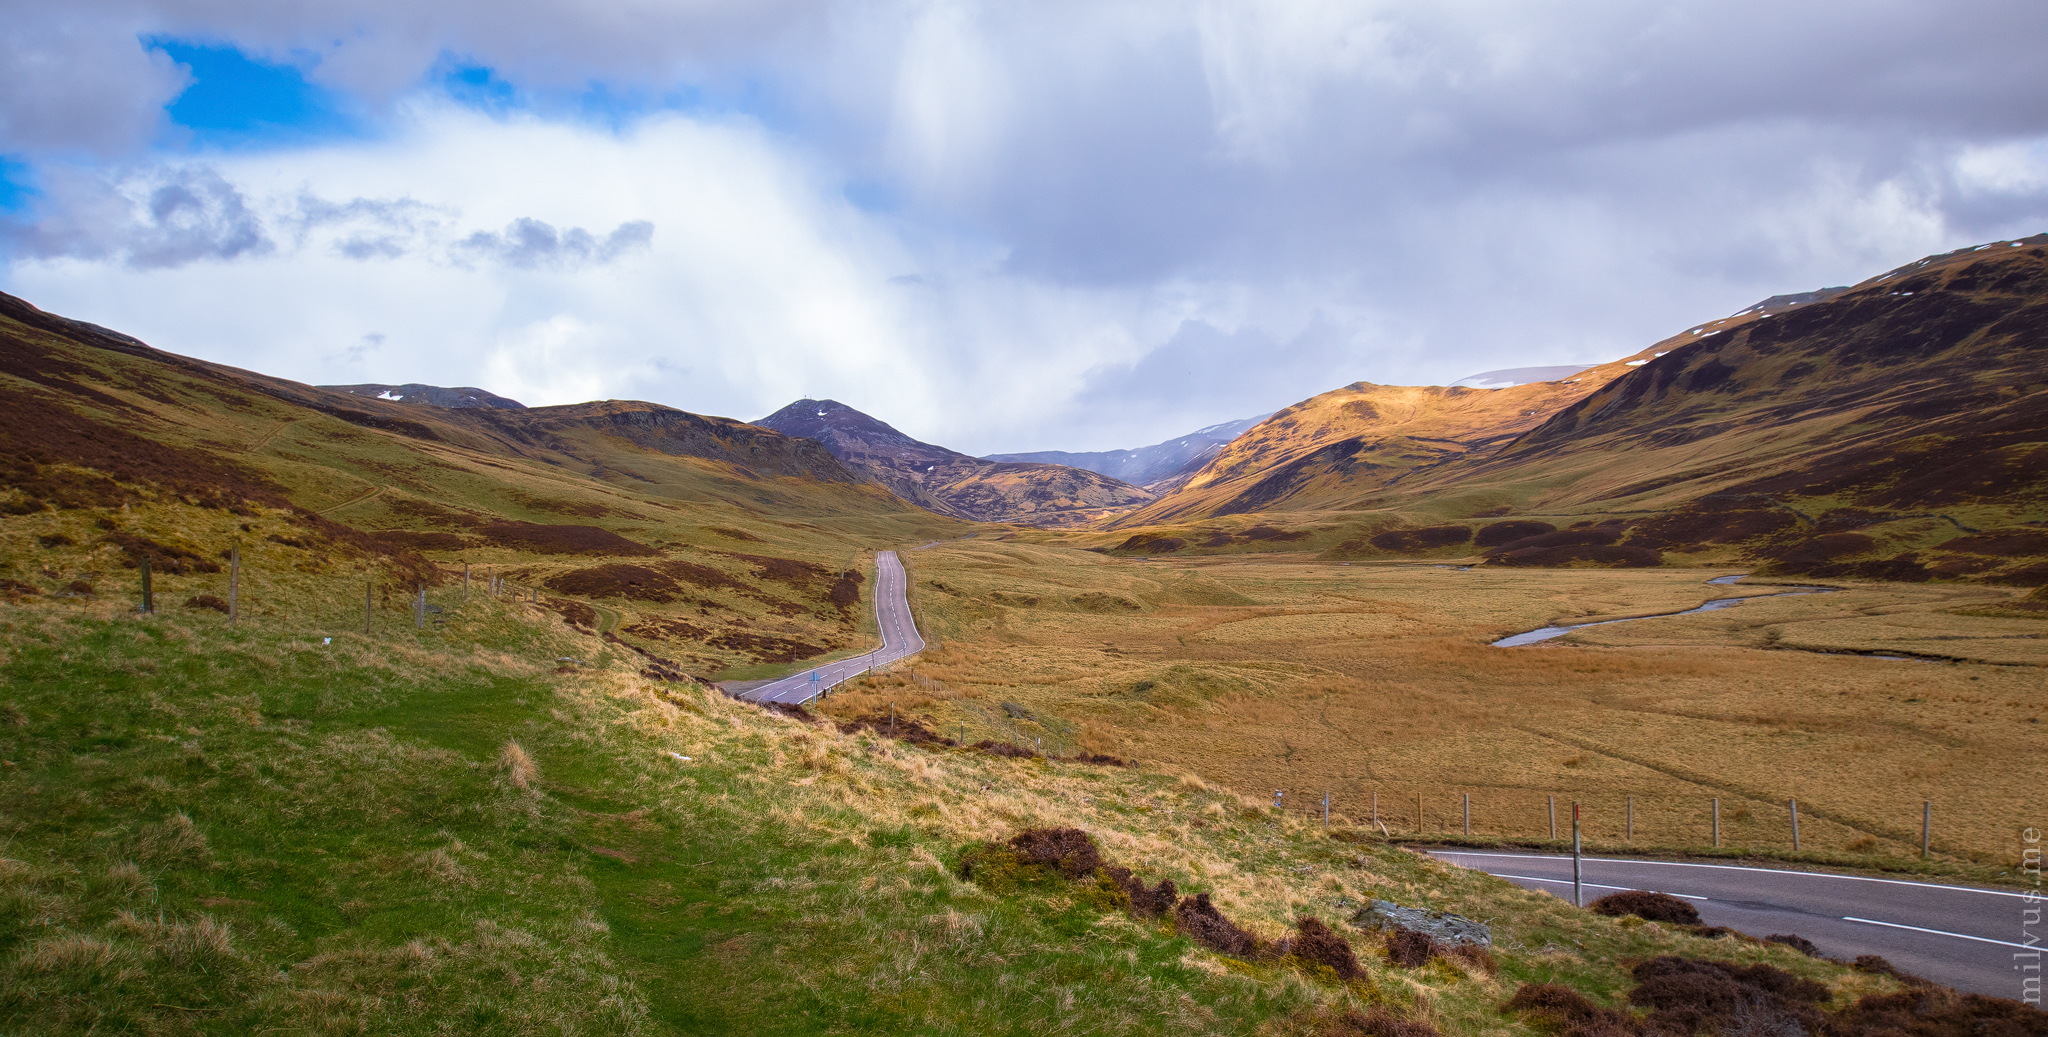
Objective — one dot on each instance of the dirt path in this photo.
(270, 435)
(352, 501)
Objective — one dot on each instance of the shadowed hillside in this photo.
(952, 483)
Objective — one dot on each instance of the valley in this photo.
(434, 722)
(1277, 671)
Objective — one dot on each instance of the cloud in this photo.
(1004, 227)
(529, 243)
(158, 218)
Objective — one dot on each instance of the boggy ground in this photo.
(1282, 672)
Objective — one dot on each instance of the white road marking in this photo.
(1596, 885)
(1733, 867)
(1944, 932)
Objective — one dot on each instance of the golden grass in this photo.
(1362, 681)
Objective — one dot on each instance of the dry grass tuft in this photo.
(518, 767)
(174, 841)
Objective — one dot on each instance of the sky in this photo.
(997, 226)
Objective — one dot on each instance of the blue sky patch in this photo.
(236, 100)
(16, 189)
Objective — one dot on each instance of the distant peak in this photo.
(460, 398)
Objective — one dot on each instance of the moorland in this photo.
(423, 734)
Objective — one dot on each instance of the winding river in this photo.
(1546, 633)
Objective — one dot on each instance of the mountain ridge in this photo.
(1894, 429)
(1153, 467)
(952, 483)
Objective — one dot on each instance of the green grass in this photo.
(237, 831)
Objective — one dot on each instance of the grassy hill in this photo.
(716, 545)
(1892, 430)
(289, 825)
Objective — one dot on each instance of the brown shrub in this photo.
(163, 558)
(55, 540)
(1424, 539)
(1377, 1023)
(1199, 921)
(16, 587)
(781, 570)
(767, 648)
(1318, 943)
(1007, 749)
(1797, 943)
(1877, 965)
(79, 587)
(617, 580)
(206, 601)
(1625, 557)
(1687, 995)
(2001, 542)
(1651, 907)
(1474, 955)
(561, 540)
(1411, 949)
(576, 612)
(1069, 851)
(1145, 903)
(1936, 1012)
(409, 540)
(845, 592)
(902, 726)
(1498, 533)
(1570, 1012)
(1269, 533)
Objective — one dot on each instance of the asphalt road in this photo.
(899, 639)
(1970, 939)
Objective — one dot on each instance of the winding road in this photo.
(900, 639)
(1970, 939)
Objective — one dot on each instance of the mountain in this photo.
(1513, 376)
(706, 541)
(1154, 467)
(1895, 429)
(433, 395)
(953, 483)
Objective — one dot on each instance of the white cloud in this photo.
(1084, 224)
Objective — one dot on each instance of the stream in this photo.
(1546, 633)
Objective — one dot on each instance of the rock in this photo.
(1446, 928)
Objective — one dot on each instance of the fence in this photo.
(1622, 819)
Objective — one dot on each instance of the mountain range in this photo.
(1159, 468)
(1895, 429)
(952, 483)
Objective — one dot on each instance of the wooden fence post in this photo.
(1468, 813)
(1793, 804)
(1926, 826)
(1717, 822)
(1631, 819)
(1553, 817)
